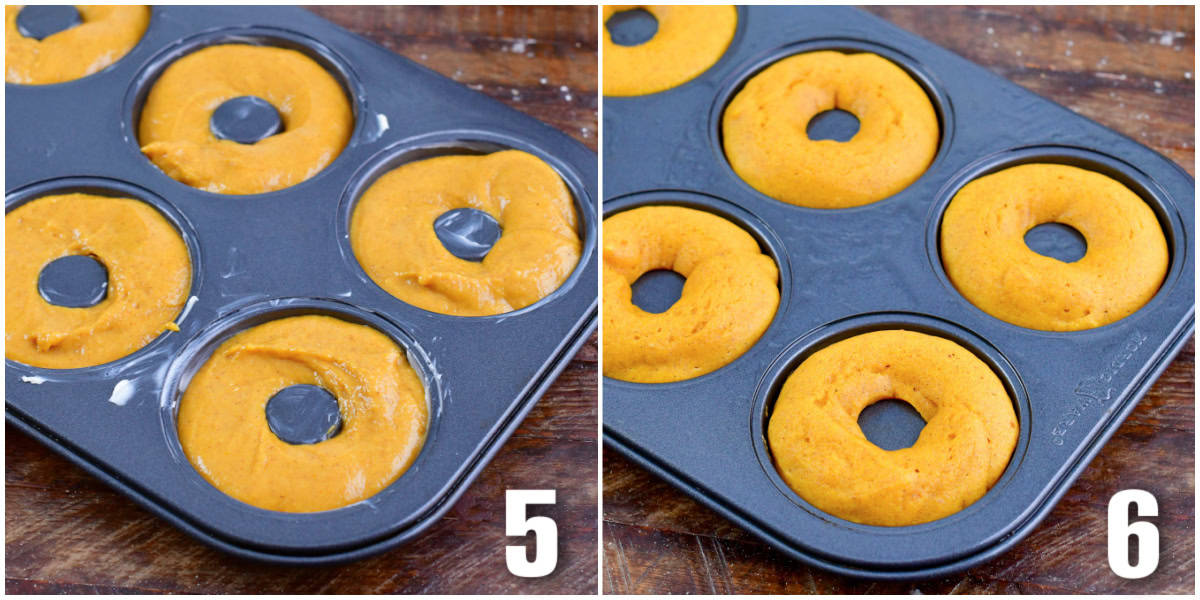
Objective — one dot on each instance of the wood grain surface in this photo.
(67, 532)
(1131, 69)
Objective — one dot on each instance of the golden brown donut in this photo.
(393, 237)
(176, 136)
(730, 296)
(765, 130)
(689, 40)
(821, 453)
(223, 425)
(985, 256)
(149, 275)
(106, 34)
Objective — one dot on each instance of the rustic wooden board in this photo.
(1131, 68)
(65, 532)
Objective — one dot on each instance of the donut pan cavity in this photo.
(849, 271)
(286, 253)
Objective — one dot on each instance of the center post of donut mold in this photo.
(245, 120)
(1057, 240)
(833, 124)
(41, 22)
(891, 424)
(74, 281)
(658, 290)
(632, 27)
(468, 233)
(304, 414)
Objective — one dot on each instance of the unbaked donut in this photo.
(393, 237)
(822, 454)
(689, 40)
(730, 296)
(149, 275)
(175, 130)
(766, 140)
(106, 34)
(983, 247)
(223, 426)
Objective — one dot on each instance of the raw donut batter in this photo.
(149, 275)
(969, 435)
(175, 128)
(394, 240)
(106, 34)
(223, 424)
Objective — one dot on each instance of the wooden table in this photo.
(67, 532)
(1131, 69)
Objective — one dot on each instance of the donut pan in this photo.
(844, 272)
(284, 253)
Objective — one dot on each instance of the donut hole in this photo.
(632, 27)
(658, 290)
(245, 120)
(834, 124)
(468, 233)
(891, 424)
(41, 22)
(1058, 241)
(75, 281)
(304, 414)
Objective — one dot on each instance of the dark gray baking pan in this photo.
(284, 253)
(848, 271)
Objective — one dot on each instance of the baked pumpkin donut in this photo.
(106, 34)
(689, 40)
(393, 237)
(730, 296)
(822, 454)
(223, 425)
(176, 135)
(764, 129)
(983, 247)
(149, 275)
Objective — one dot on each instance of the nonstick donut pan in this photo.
(284, 253)
(847, 271)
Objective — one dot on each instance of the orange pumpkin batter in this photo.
(394, 240)
(149, 275)
(106, 34)
(175, 128)
(223, 424)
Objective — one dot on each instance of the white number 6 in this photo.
(544, 529)
(1120, 530)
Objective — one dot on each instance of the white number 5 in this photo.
(1120, 530)
(544, 529)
